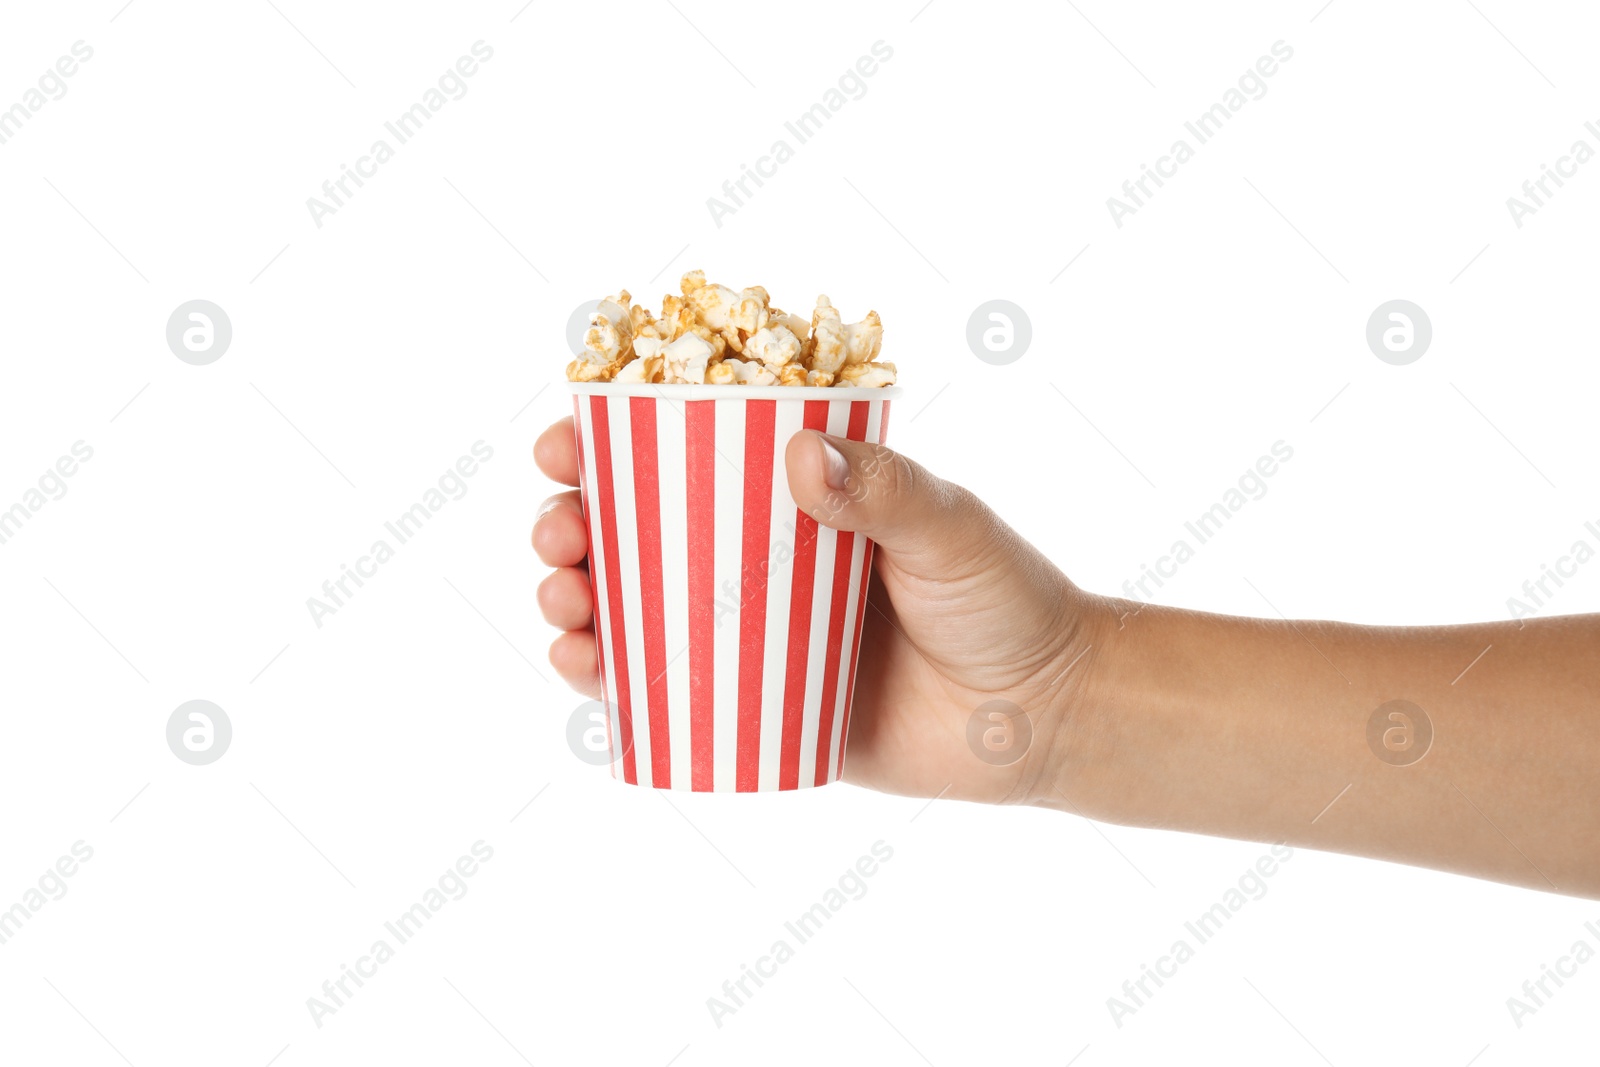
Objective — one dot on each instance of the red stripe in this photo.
(760, 432)
(700, 443)
(647, 502)
(845, 546)
(608, 535)
(800, 596)
(855, 656)
(594, 590)
(861, 618)
(841, 589)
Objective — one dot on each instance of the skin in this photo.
(1147, 716)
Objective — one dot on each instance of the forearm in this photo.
(1260, 730)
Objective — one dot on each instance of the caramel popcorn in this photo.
(714, 335)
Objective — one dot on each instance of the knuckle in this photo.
(889, 473)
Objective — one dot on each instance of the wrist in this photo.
(1116, 710)
(1082, 701)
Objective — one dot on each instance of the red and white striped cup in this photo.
(728, 621)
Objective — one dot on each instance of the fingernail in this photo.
(835, 468)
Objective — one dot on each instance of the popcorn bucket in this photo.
(728, 621)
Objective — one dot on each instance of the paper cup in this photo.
(728, 621)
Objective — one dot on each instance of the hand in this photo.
(1154, 716)
(962, 611)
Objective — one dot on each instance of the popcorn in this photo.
(795, 324)
(712, 334)
(712, 303)
(581, 370)
(868, 375)
(687, 359)
(773, 346)
(608, 343)
(645, 369)
(612, 329)
(750, 373)
(826, 343)
(863, 340)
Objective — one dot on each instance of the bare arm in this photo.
(1264, 730)
(1254, 729)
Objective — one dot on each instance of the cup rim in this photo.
(680, 391)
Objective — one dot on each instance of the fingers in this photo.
(863, 486)
(558, 531)
(576, 659)
(565, 599)
(556, 452)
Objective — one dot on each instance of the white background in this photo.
(428, 313)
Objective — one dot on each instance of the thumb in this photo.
(862, 486)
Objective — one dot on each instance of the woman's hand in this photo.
(962, 612)
(1266, 730)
